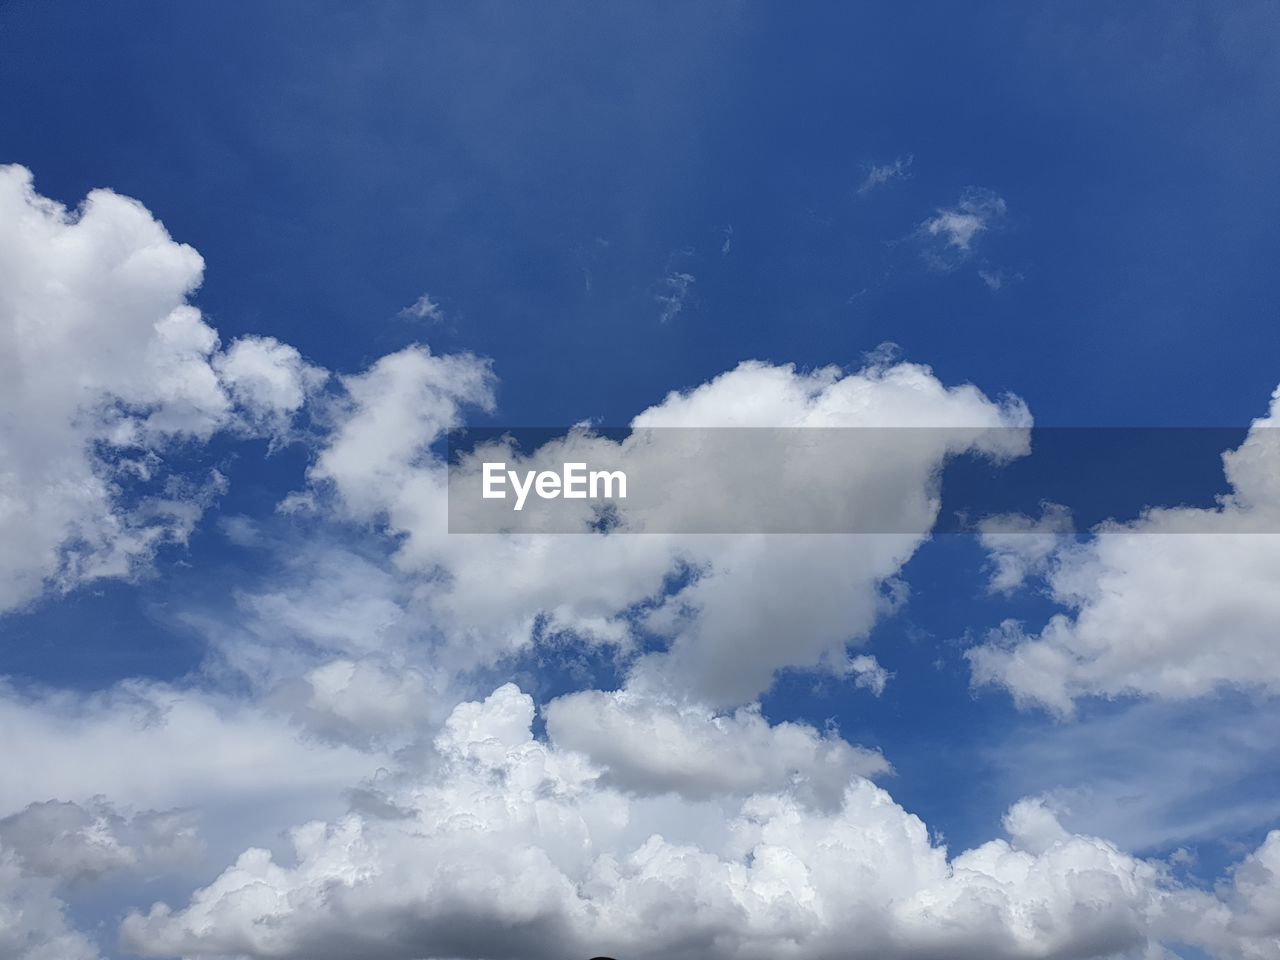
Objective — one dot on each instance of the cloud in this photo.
(668, 818)
(159, 746)
(867, 673)
(651, 745)
(1020, 547)
(996, 278)
(268, 381)
(1255, 897)
(179, 757)
(424, 308)
(1151, 774)
(823, 591)
(51, 847)
(884, 173)
(673, 292)
(74, 843)
(104, 367)
(1177, 604)
(514, 847)
(948, 237)
(33, 925)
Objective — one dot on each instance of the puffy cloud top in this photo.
(103, 364)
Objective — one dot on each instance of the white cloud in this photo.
(949, 236)
(1177, 604)
(662, 820)
(1151, 775)
(424, 308)
(33, 925)
(268, 380)
(1255, 897)
(867, 673)
(673, 291)
(822, 592)
(103, 365)
(651, 745)
(50, 848)
(512, 847)
(1020, 547)
(883, 173)
(157, 746)
(181, 757)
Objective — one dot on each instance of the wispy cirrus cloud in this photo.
(424, 308)
(881, 174)
(673, 292)
(952, 232)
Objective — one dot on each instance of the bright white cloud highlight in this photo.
(516, 847)
(650, 746)
(103, 365)
(1177, 604)
(746, 593)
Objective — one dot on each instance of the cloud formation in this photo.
(674, 289)
(950, 236)
(104, 367)
(883, 173)
(1177, 604)
(424, 308)
(517, 848)
(741, 594)
(666, 818)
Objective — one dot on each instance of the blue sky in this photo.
(593, 206)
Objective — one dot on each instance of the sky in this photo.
(258, 261)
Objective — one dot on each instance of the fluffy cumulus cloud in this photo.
(268, 380)
(742, 593)
(514, 847)
(169, 759)
(1254, 896)
(104, 365)
(1177, 604)
(1020, 547)
(649, 746)
(666, 818)
(50, 847)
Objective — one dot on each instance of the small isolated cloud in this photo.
(674, 291)
(958, 227)
(951, 236)
(867, 673)
(997, 279)
(424, 308)
(883, 173)
(727, 245)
